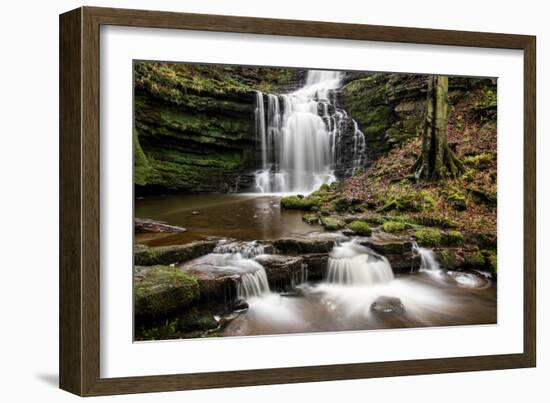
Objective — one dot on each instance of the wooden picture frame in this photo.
(80, 199)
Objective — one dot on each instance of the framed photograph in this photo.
(249, 201)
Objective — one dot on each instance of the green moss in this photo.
(428, 237)
(143, 171)
(166, 255)
(394, 226)
(360, 228)
(480, 161)
(161, 290)
(341, 204)
(453, 238)
(332, 223)
(492, 262)
(448, 259)
(488, 101)
(374, 219)
(408, 200)
(430, 221)
(311, 218)
(192, 322)
(300, 203)
(475, 259)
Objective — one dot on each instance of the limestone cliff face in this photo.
(194, 125)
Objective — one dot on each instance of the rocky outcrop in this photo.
(304, 245)
(317, 264)
(282, 271)
(167, 255)
(147, 226)
(194, 125)
(398, 251)
(216, 283)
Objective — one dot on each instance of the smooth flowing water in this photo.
(300, 142)
(356, 279)
(243, 217)
(334, 307)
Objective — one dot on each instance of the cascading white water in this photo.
(253, 284)
(354, 264)
(300, 142)
(247, 250)
(428, 260)
(237, 257)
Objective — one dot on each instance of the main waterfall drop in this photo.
(301, 143)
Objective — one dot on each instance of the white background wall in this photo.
(29, 198)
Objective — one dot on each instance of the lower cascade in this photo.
(353, 264)
(253, 284)
(428, 260)
(238, 256)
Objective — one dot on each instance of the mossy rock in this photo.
(360, 228)
(475, 259)
(374, 219)
(332, 223)
(448, 259)
(193, 322)
(311, 218)
(485, 197)
(479, 161)
(162, 290)
(413, 201)
(299, 202)
(393, 226)
(166, 255)
(492, 262)
(428, 237)
(453, 238)
(341, 204)
(441, 222)
(485, 259)
(457, 201)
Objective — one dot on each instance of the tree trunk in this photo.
(437, 160)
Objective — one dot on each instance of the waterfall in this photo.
(301, 142)
(354, 264)
(428, 260)
(253, 284)
(247, 250)
(237, 257)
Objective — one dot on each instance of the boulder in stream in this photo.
(387, 305)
